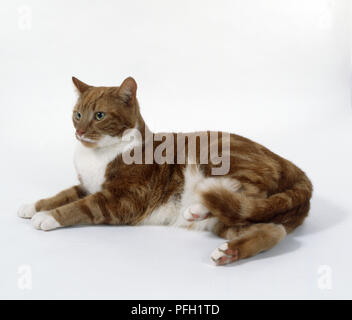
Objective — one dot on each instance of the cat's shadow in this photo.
(322, 216)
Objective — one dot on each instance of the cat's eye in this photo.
(99, 116)
(78, 116)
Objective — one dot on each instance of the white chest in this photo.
(91, 165)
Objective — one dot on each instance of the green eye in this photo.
(99, 116)
(78, 115)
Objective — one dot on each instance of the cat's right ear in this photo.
(81, 86)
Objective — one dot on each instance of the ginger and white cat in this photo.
(253, 205)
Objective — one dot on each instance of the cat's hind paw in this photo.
(223, 255)
(27, 211)
(196, 212)
(44, 221)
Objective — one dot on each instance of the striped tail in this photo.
(237, 208)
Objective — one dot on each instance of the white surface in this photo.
(275, 71)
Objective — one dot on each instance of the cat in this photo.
(261, 198)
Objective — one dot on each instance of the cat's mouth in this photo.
(85, 140)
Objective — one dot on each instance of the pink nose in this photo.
(80, 132)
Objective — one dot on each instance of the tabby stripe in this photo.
(71, 195)
(67, 198)
(80, 193)
(101, 203)
(86, 211)
(58, 213)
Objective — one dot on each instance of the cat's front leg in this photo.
(98, 208)
(64, 197)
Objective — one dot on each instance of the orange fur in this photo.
(273, 197)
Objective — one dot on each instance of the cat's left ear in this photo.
(127, 90)
(80, 85)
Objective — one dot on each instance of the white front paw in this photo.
(27, 211)
(44, 221)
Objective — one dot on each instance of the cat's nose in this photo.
(80, 132)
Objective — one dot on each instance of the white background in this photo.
(276, 71)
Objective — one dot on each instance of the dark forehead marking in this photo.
(89, 99)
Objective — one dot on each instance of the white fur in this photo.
(220, 257)
(44, 221)
(164, 215)
(219, 182)
(219, 252)
(85, 139)
(26, 211)
(172, 213)
(91, 163)
(192, 178)
(198, 209)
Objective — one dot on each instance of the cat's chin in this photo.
(89, 144)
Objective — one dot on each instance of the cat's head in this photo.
(102, 114)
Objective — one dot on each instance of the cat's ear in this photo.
(127, 90)
(81, 86)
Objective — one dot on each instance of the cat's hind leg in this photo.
(247, 241)
(196, 212)
(196, 186)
